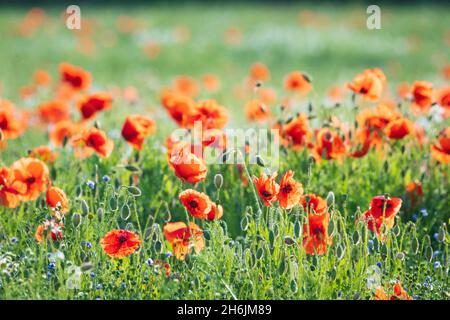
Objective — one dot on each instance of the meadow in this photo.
(363, 120)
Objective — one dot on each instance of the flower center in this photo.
(31, 180)
(266, 194)
(287, 189)
(193, 204)
(122, 239)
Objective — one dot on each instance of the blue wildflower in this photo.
(13, 240)
(51, 266)
(414, 217)
(150, 261)
(92, 274)
(168, 254)
(437, 264)
(424, 212)
(106, 178)
(379, 265)
(91, 184)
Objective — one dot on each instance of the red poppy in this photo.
(315, 233)
(297, 81)
(32, 173)
(267, 188)
(441, 150)
(382, 210)
(91, 140)
(57, 198)
(75, 77)
(187, 166)
(181, 236)
(90, 104)
(290, 191)
(422, 93)
(197, 203)
(136, 128)
(370, 84)
(120, 243)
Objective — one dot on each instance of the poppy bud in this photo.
(330, 199)
(288, 240)
(86, 266)
(100, 214)
(84, 207)
(134, 191)
(97, 124)
(125, 212)
(400, 256)
(132, 168)
(260, 161)
(218, 180)
(76, 219)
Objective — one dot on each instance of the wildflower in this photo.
(329, 145)
(90, 104)
(415, 192)
(76, 78)
(422, 93)
(267, 188)
(92, 274)
(257, 111)
(91, 140)
(168, 254)
(259, 72)
(297, 81)
(382, 210)
(90, 184)
(197, 203)
(33, 177)
(43, 153)
(136, 128)
(210, 113)
(187, 166)
(399, 128)
(150, 261)
(53, 111)
(441, 150)
(51, 266)
(290, 191)
(370, 245)
(398, 293)
(11, 189)
(379, 265)
(56, 198)
(51, 229)
(106, 178)
(313, 204)
(315, 233)
(370, 84)
(13, 240)
(182, 236)
(185, 85)
(297, 131)
(215, 213)
(120, 243)
(61, 132)
(424, 212)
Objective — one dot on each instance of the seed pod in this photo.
(132, 168)
(330, 199)
(260, 161)
(100, 213)
(134, 191)
(288, 240)
(113, 203)
(76, 219)
(86, 266)
(125, 212)
(218, 180)
(84, 207)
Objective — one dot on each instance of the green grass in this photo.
(248, 255)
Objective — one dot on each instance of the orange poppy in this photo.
(34, 174)
(443, 99)
(43, 153)
(297, 131)
(422, 94)
(187, 166)
(267, 188)
(403, 90)
(313, 204)
(53, 111)
(315, 233)
(441, 150)
(370, 84)
(399, 128)
(50, 229)
(181, 108)
(381, 209)
(290, 191)
(259, 72)
(90, 104)
(197, 203)
(398, 293)
(180, 236)
(215, 213)
(75, 77)
(267, 95)
(90, 140)
(11, 189)
(136, 128)
(42, 78)
(211, 82)
(297, 81)
(60, 132)
(11, 124)
(57, 198)
(211, 114)
(329, 145)
(257, 111)
(120, 243)
(415, 191)
(185, 85)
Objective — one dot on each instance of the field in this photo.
(362, 118)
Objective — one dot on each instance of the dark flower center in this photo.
(31, 180)
(287, 189)
(266, 194)
(123, 239)
(193, 204)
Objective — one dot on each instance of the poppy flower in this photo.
(11, 189)
(267, 188)
(53, 111)
(181, 108)
(187, 166)
(183, 238)
(197, 203)
(290, 191)
(211, 114)
(415, 191)
(422, 94)
(257, 111)
(315, 233)
(398, 293)
(43, 153)
(56, 197)
(297, 131)
(259, 72)
(50, 229)
(215, 213)
(61, 132)
(185, 85)
(136, 128)
(91, 140)
(329, 145)
(34, 174)
(211, 82)
(370, 84)
(381, 209)
(297, 81)
(403, 90)
(11, 125)
(120, 243)
(267, 96)
(75, 77)
(42, 78)
(443, 99)
(90, 104)
(399, 128)
(313, 204)
(441, 150)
